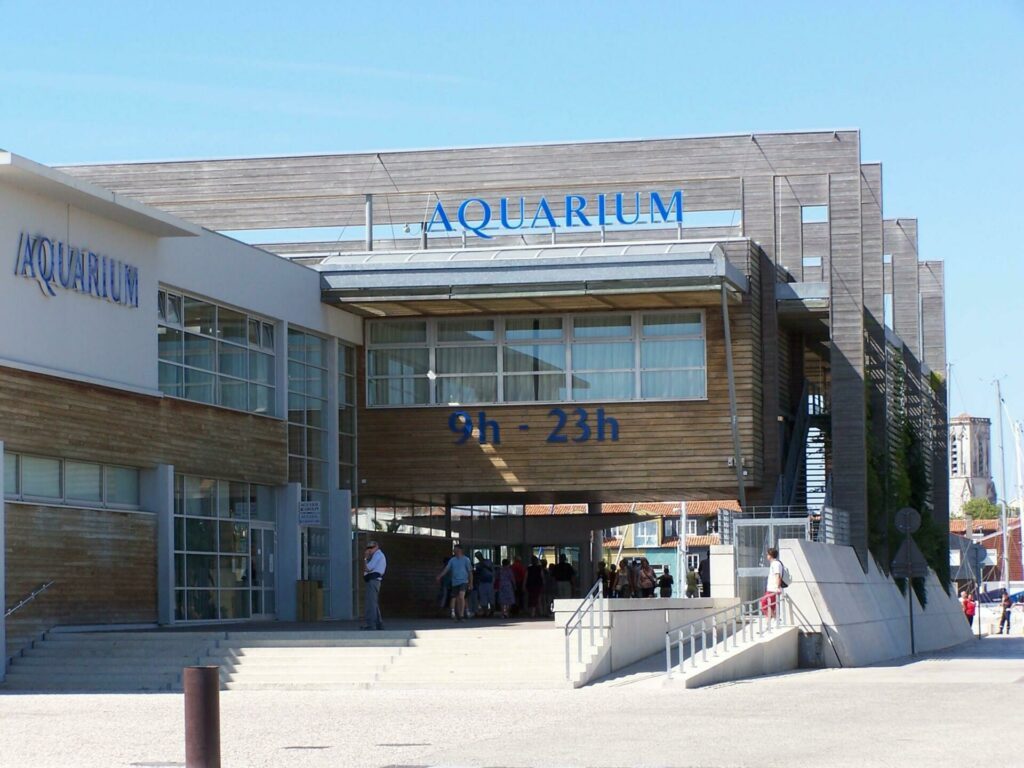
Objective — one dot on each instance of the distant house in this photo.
(987, 533)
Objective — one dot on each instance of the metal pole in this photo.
(369, 222)
(668, 655)
(1004, 574)
(202, 716)
(733, 412)
(910, 596)
(693, 648)
(423, 235)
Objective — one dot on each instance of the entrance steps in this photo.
(497, 657)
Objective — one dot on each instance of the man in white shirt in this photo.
(770, 601)
(373, 574)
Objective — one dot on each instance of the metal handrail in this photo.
(733, 623)
(29, 598)
(584, 611)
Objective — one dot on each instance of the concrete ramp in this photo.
(863, 617)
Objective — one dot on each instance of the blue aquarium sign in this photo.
(476, 215)
(54, 264)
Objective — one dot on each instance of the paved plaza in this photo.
(949, 709)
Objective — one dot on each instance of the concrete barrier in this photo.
(864, 616)
(772, 655)
(636, 627)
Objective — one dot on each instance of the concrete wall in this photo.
(864, 617)
(636, 627)
(773, 655)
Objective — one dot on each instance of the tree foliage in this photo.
(981, 509)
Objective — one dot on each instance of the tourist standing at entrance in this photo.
(665, 582)
(520, 572)
(623, 580)
(602, 576)
(645, 579)
(374, 566)
(534, 585)
(549, 586)
(969, 607)
(483, 575)
(1005, 606)
(773, 587)
(462, 581)
(565, 578)
(692, 580)
(506, 588)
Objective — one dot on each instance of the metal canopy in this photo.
(380, 277)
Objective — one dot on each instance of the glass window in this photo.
(675, 353)
(466, 360)
(467, 389)
(462, 330)
(602, 386)
(602, 326)
(194, 365)
(173, 309)
(645, 534)
(83, 482)
(231, 326)
(398, 362)
(535, 358)
(399, 332)
(200, 317)
(531, 328)
(399, 391)
(161, 302)
(673, 324)
(673, 384)
(542, 387)
(11, 474)
(40, 477)
(122, 485)
(268, 336)
(597, 357)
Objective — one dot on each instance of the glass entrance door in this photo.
(262, 550)
(752, 538)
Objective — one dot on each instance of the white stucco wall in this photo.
(83, 337)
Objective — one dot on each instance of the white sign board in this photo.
(309, 513)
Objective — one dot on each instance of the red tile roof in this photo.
(958, 525)
(701, 508)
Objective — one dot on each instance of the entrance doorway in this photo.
(263, 555)
(753, 538)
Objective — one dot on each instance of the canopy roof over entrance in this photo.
(528, 278)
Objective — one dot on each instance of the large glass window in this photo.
(551, 358)
(74, 483)
(645, 534)
(347, 418)
(212, 354)
(212, 537)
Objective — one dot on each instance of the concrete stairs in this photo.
(498, 657)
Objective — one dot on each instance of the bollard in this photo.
(202, 717)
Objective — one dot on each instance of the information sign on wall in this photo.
(309, 513)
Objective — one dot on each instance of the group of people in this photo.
(634, 578)
(970, 609)
(468, 589)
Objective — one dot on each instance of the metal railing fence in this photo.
(743, 622)
(591, 606)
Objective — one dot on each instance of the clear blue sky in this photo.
(935, 87)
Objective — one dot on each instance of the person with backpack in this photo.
(774, 586)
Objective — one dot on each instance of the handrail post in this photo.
(693, 648)
(760, 624)
(714, 634)
(703, 641)
(668, 654)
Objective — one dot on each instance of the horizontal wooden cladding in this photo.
(668, 447)
(57, 417)
(103, 564)
(306, 191)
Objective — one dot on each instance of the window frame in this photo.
(266, 333)
(567, 340)
(63, 499)
(649, 539)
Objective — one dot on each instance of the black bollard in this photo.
(202, 717)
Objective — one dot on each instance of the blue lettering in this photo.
(602, 213)
(478, 229)
(116, 281)
(504, 213)
(439, 212)
(676, 202)
(106, 277)
(543, 207)
(44, 266)
(131, 286)
(65, 274)
(574, 205)
(24, 265)
(92, 284)
(78, 281)
(618, 209)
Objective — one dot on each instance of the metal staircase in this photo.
(808, 462)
